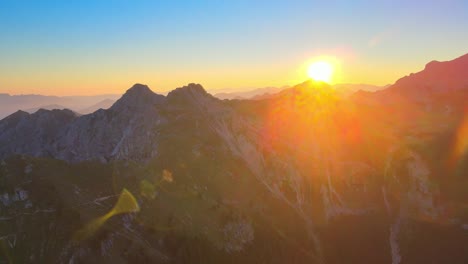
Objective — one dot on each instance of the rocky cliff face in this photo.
(128, 130)
(32, 134)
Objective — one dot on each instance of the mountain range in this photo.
(303, 175)
(31, 103)
(345, 89)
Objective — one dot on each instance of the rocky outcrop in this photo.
(33, 134)
(128, 130)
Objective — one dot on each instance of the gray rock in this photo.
(127, 130)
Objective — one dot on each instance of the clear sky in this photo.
(94, 47)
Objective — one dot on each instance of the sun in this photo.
(320, 71)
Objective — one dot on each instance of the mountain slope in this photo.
(127, 130)
(32, 134)
(436, 78)
(305, 176)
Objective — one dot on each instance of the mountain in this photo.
(344, 89)
(31, 134)
(436, 78)
(100, 135)
(304, 176)
(12, 103)
(127, 130)
(31, 103)
(249, 93)
(349, 88)
(104, 104)
(45, 107)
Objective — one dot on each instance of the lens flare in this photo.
(461, 140)
(126, 204)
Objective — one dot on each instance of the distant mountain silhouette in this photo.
(12, 103)
(104, 104)
(249, 94)
(45, 107)
(351, 88)
(344, 89)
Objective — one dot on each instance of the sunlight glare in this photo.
(320, 71)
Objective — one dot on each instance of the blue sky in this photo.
(89, 47)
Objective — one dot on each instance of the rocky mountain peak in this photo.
(431, 64)
(138, 92)
(308, 88)
(195, 87)
(13, 119)
(190, 89)
(18, 114)
(191, 93)
(55, 112)
(139, 95)
(138, 89)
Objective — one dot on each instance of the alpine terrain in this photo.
(304, 175)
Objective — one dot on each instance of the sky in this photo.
(100, 47)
